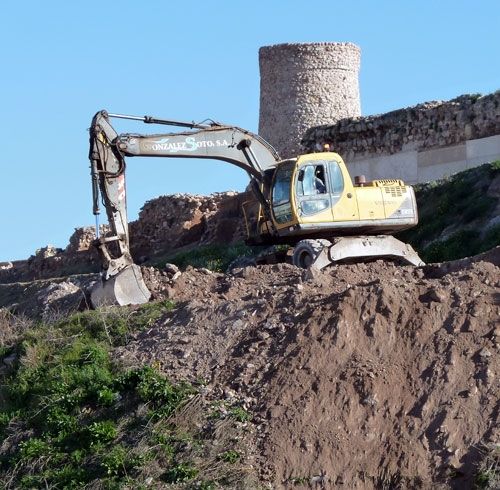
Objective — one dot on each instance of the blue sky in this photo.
(63, 61)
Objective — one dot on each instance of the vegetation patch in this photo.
(453, 213)
(488, 471)
(213, 257)
(71, 417)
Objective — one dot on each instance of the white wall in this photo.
(422, 166)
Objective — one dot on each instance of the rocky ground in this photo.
(361, 376)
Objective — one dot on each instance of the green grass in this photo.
(70, 416)
(460, 204)
(239, 414)
(230, 456)
(213, 257)
(488, 471)
(114, 325)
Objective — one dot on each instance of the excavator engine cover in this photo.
(126, 288)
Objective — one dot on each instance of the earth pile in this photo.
(359, 376)
(365, 375)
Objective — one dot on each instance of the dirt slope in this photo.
(363, 376)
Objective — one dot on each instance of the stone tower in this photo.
(305, 85)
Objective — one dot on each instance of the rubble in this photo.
(166, 225)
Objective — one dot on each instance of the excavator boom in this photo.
(229, 144)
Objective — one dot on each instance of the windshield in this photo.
(282, 208)
(281, 189)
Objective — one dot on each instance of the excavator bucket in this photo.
(126, 288)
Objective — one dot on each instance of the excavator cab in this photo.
(314, 196)
(311, 190)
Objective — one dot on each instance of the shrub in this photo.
(458, 203)
(488, 471)
(155, 389)
(460, 244)
(213, 257)
(33, 448)
(180, 473)
(491, 238)
(495, 166)
(100, 433)
(115, 461)
(239, 414)
(83, 421)
(230, 456)
(107, 397)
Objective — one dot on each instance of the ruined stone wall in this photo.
(418, 144)
(304, 85)
(173, 222)
(165, 225)
(424, 126)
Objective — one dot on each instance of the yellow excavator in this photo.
(309, 202)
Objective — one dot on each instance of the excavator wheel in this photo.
(307, 251)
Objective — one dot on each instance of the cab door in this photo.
(324, 190)
(344, 203)
(313, 192)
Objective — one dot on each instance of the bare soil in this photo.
(360, 376)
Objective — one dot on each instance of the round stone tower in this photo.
(305, 85)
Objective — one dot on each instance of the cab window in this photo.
(282, 208)
(336, 178)
(312, 189)
(281, 189)
(311, 181)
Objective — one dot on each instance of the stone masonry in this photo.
(170, 223)
(309, 92)
(305, 85)
(425, 126)
(166, 225)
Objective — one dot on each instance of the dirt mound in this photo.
(49, 299)
(361, 376)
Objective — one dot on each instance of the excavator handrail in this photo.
(167, 122)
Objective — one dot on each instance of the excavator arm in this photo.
(121, 280)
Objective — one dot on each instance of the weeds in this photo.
(488, 471)
(12, 328)
(180, 473)
(220, 410)
(458, 208)
(299, 480)
(71, 418)
(239, 414)
(230, 456)
(213, 257)
(114, 325)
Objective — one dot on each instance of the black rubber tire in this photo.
(306, 252)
